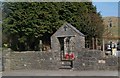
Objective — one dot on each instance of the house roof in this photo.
(72, 27)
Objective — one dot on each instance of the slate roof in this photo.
(72, 27)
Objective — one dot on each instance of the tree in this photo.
(26, 23)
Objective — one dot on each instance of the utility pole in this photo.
(103, 45)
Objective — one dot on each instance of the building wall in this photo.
(78, 40)
(111, 33)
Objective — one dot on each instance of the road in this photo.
(118, 53)
(59, 73)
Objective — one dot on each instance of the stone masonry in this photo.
(31, 60)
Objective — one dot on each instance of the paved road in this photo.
(59, 73)
(118, 53)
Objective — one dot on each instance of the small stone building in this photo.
(67, 39)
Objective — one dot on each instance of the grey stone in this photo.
(77, 39)
(87, 60)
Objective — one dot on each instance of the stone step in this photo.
(65, 63)
(65, 67)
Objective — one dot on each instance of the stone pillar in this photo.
(93, 43)
(40, 44)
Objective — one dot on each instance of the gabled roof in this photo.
(72, 27)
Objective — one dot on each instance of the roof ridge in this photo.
(74, 28)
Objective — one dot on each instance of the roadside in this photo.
(58, 73)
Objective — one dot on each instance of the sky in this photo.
(107, 8)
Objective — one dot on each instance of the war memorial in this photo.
(67, 52)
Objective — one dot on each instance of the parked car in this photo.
(108, 47)
(108, 52)
(118, 46)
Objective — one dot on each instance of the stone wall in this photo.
(77, 39)
(95, 60)
(30, 60)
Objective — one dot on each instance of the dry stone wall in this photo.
(95, 60)
(29, 60)
(36, 60)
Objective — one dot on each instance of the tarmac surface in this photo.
(58, 73)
